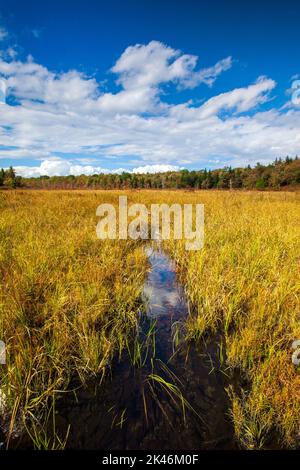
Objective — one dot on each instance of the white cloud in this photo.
(242, 99)
(60, 167)
(147, 66)
(31, 81)
(155, 168)
(210, 74)
(69, 114)
(11, 52)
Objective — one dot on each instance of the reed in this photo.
(245, 284)
(68, 302)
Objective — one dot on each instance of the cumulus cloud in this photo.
(145, 67)
(155, 168)
(68, 114)
(60, 167)
(152, 64)
(31, 81)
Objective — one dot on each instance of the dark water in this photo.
(171, 398)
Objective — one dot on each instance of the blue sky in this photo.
(91, 86)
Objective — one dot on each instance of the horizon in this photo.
(86, 89)
(143, 170)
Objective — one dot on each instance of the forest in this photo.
(279, 174)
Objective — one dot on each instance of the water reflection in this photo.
(163, 295)
(171, 402)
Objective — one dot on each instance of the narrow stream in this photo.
(171, 398)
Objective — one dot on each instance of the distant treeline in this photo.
(9, 179)
(276, 175)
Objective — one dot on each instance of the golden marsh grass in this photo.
(69, 302)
